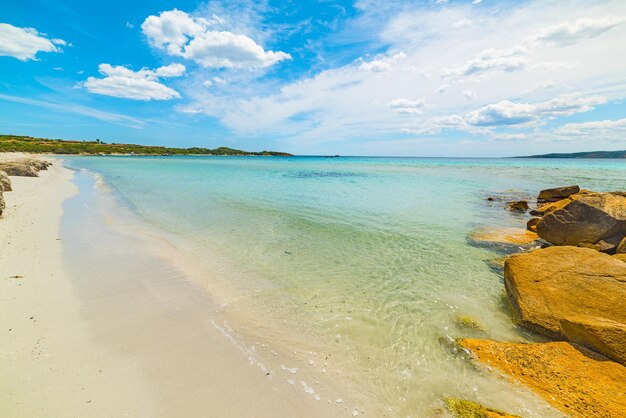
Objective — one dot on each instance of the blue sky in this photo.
(426, 78)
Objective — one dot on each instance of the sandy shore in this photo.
(133, 339)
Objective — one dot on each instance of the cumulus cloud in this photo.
(488, 61)
(122, 82)
(604, 129)
(510, 113)
(25, 43)
(406, 106)
(194, 38)
(570, 33)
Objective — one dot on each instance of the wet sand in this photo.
(94, 325)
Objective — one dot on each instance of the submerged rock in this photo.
(5, 182)
(558, 193)
(574, 380)
(586, 219)
(466, 321)
(548, 285)
(517, 206)
(462, 408)
(503, 236)
(599, 334)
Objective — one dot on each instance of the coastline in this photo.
(135, 339)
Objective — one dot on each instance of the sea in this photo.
(365, 259)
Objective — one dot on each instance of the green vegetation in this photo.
(14, 143)
(590, 154)
(466, 321)
(462, 408)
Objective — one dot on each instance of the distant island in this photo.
(590, 154)
(15, 143)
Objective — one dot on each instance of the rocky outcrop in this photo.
(574, 380)
(599, 334)
(548, 285)
(587, 219)
(5, 182)
(517, 206)
(462, 408)
(550, 207)
(556, 194)
(20, 168)
(2, 204)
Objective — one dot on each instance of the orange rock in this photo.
(555, 283)
(599, 334)
(506, 236)
(576, 381)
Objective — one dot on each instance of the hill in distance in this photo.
(590, 154)
(15, 143)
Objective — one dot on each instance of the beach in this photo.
(136, 339)
(247, 286)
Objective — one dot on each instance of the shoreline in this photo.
(84, 340)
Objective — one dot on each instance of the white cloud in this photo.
(25, 43)
(469, 94)
(461, 23)
(602, 129)
(406, 106)
(509, 113)
(488, 61)
(193, 38)
(121, 82)
(570, 33)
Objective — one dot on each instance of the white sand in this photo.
(117, 343)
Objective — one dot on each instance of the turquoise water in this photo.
(367, 257)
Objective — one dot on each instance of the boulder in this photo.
(462, 408)
(517, 206)
(621, 247)
(621, 257)
(588, 218)
(2, 204)
(531, 225)
(558, 193)
(548, 285)
(599, 334)
(573, 379)
(18, 168)
(39, 164)
(5, 182)
(550, 207)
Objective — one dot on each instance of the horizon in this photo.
(414, 79)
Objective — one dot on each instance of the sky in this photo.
(398, 78)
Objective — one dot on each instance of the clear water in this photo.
(367, 257)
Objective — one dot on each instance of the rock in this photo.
(621, 257)
(518, 206)
(18, 168)
(531, 225)
(462, 408)
(621, 247)
(555, 283)
(466, 321)
(503, 236)
(550, 207)
(2, 204)
(490, 198)
(553, 195)
(5, 182)
(574, 380)
(588, 218)
(39, 164)
(599, 334)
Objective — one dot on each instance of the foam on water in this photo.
(362, 260)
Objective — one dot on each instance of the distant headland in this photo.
(15, 143)
(589, 154)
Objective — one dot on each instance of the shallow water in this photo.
(366, 259)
